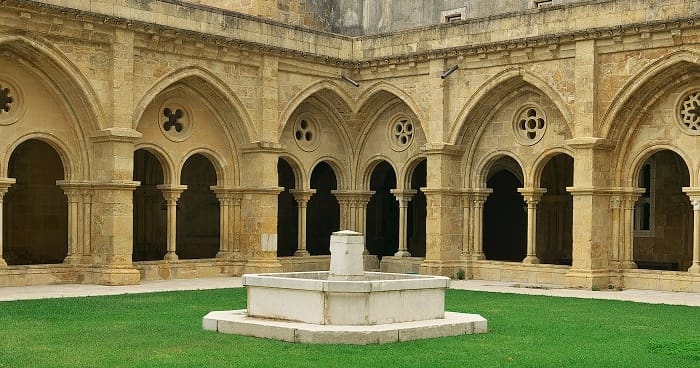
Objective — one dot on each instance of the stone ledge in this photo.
(238, 322)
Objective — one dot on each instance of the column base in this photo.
(477, 257)
(531, 260)
(118, 276)
(170, 257)
(695, 268)
(302, 253)
(588, 279)
(2, 262)
(72, 259)
(224, 256)
(440, 268)
(262, 266)
(402, 253)
(628, 265)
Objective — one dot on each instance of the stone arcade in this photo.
(158, 139)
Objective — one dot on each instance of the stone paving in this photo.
(75, 290)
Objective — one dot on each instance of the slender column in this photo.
(694, 194)
(615, 206)
(478, 199)
(224, 197)
(403, 197)
(73, 195)
(466, 224)
(4, 185)
(171, 193)
(302, 196)
(532, 197)
(629, 199)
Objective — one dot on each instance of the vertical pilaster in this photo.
(269, 70)
(466, 224)
(302, 196)
(444, 210)
(171, 193)
(532, 197)
(616, 247)
(694, 195)
(479, 197)
(403, 197)
(5, 184)
(87, 250)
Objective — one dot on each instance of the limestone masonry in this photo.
(550, 142)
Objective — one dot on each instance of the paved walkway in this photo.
(72, 290)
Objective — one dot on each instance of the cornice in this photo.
(552, 41)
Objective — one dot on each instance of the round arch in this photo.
(338, 169)
(165, 160)
(216, 160)
(369, 166)
(71, 167)
(629, 177)
(486, 163)
(542, 161)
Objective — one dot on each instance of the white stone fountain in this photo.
(345, 305)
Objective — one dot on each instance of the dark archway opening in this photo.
(417, 212)
(663, 217)
(505, 214)
(382, 212)
(150, 212)
(323, 211)
(35, 209)
(198, 211)
(287, 211)
(555, 212)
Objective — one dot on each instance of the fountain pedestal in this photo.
(345, 304)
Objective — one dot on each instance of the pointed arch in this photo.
(71, 166)
(339, 170)
(300, 177)
(485, 165)
(369, 166)
(405, 175)
(637, 162)
(494, 89)
(223, 100)
(645, 86)
(541, 162)
(376, 90)
(336, 97)
(80, 97)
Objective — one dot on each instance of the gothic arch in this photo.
(300, 177)
(630, 175)
(369, 166)
(493, 90)
(485, 165)
(339, 170)
(214, 90)
(337, 97)
(375, 91)
(404, 176)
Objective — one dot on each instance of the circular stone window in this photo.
(689, 112)
(12, 104)
(529, 125)
(306, 133)
(400, 133)
(175, 121)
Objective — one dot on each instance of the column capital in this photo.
(5, 184)
(171, 192)
(403, 194)
(302, 196)
(358, 196)
(532, 195)
(479, 195)
(694, 194)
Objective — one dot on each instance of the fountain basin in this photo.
(370, 299)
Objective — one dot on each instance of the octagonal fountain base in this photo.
(345, 305)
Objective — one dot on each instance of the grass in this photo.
(164, 330)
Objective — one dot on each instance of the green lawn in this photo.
(164, 330)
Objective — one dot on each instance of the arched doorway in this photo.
(287, 211)
(323, 212)
(36, 209)
(417, 211)
(382, 212)
(505, 214)
(150, 212)
(555, 212)
(663, 216)
(198, 210)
